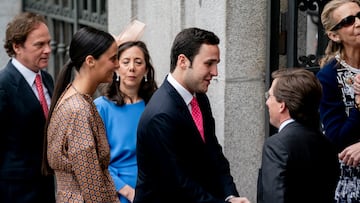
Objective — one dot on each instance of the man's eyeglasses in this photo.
(346, 22)
(267, 95)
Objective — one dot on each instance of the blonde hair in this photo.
(328, 23)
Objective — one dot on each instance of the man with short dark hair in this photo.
(299, 164)
(179, 157)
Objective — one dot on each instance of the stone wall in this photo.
(8, 10)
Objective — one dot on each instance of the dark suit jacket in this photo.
(174, 164)
(298, 165)
(22, 131)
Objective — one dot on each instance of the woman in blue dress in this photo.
(120, 106)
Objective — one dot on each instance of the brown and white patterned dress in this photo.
(79, 153)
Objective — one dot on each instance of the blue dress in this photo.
(121, 127)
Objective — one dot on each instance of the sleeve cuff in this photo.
(229, 197)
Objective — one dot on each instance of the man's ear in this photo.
(16, 47)
(282, 107)
(182, 61)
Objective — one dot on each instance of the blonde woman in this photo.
(339, 110)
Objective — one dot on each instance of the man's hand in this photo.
(239, 200)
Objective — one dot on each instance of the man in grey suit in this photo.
(298, 164)
(179, 158)
(23, 113)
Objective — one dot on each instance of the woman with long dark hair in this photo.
(76, 148)
(120, 106)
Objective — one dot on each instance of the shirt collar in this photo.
(285, 123)
(185, 94)
(28, 74)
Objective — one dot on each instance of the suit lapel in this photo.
(182, 108)
(178, 100)
(21, 86)
(23, 92)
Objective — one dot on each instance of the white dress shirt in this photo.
(29, 76)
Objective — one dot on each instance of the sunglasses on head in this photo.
(346, 22)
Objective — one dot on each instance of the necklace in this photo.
(349, 77)
(345, 65)
(77, 91)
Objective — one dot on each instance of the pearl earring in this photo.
(145, 77)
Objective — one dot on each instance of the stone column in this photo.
(8, 10)
(244, 102)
